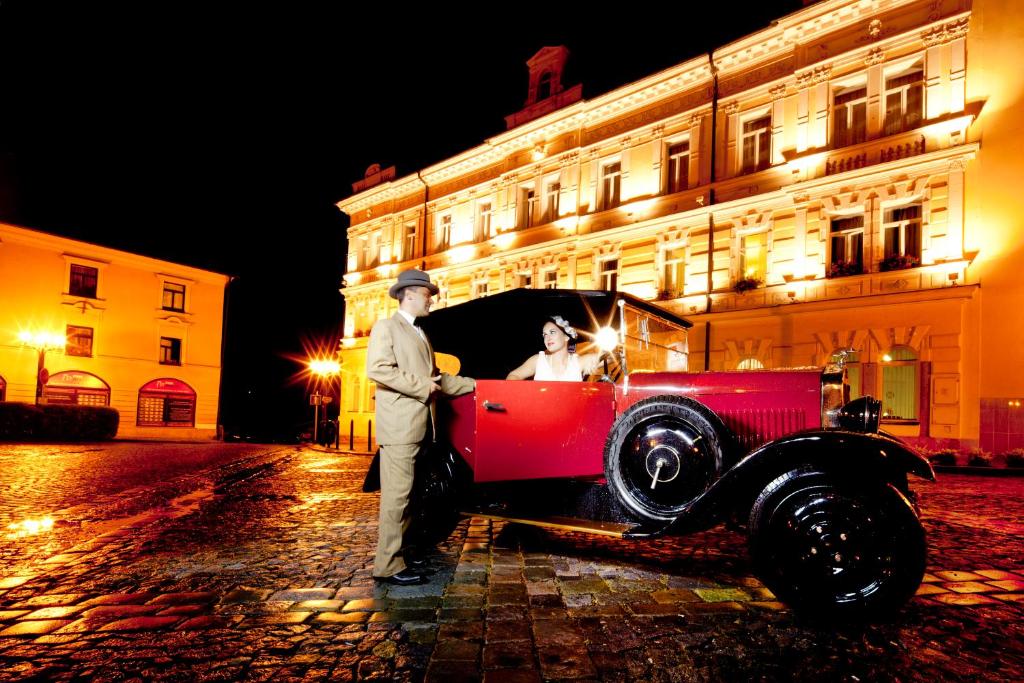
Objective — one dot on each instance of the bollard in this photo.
(369, 434)
(351, 434)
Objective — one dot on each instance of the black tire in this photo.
(834, 547)
(681, 435)
(434, 504)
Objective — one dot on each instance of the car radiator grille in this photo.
(755, 427)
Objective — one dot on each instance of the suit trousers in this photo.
(397, 473)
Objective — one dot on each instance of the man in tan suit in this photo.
(400, 360)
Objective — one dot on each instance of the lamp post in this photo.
(42, 342)
(324, 368)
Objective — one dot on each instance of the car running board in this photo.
(613, 529)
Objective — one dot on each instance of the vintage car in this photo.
(651, 447)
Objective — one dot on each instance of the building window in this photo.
(673, 279)
(524, 280)
(79, 341)
(174, 297)
(850, 112)
(550, 279)
(442, 296)
(899, 384)
(76, 387)
(166, 403)
(756, 144)
(552, 191)
(83, 281)
(678, 166)
(901, 234)
(484, 214)
(544, 86)
(904, 99)
(444, 233)
(754, 256)
(170, 351)
(353, 399)
(527, 207)
(847, 246)
(749, 363)
(609, 275)
(480, 289)
(408, 241)
(3, 390)
(611, 185)
(373, 250)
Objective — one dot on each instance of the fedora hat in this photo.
(411, 278)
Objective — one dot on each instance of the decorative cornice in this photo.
(818, 74)
(946, 33)
(875, 56)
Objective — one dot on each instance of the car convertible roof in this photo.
(494, 334)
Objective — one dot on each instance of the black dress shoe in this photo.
(402, 578)
(416, 563)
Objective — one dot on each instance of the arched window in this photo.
(166, 402)
(74, 386)
(544, 86)
(899, 390)
(749, 363)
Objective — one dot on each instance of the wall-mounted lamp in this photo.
(953, 277)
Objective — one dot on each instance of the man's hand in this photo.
(435, 385)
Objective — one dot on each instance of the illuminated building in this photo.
(135, 333)
(846, 178)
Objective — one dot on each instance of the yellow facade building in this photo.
(128, 331)
(848, 177)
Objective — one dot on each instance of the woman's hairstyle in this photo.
(568, 329)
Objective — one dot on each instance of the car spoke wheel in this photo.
(662, 454)
(434, 505)
(834, 547)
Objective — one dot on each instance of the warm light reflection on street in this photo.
(30, 527)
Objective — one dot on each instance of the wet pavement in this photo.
(253, 563)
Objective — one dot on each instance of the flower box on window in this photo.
(746, 284)
(844, 268)
(898, 262)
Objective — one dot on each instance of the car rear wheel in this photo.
(836, 547)
(434, 507)
(662, 453)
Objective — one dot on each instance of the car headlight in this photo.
(860, 415)
(606, 339)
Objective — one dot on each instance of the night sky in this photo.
(222, 137)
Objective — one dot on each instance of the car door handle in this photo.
(494, 407)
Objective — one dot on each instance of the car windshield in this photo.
(654, 344)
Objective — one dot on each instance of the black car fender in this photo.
(864, 456)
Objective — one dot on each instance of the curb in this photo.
(980, 471)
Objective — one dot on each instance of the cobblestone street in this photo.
(253, 563)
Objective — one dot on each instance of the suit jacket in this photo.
(402, 363)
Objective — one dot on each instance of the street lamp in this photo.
(324, 368)
(42, 342)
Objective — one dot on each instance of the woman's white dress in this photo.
(545, 373)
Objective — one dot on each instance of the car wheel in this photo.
(836, 547)
(435, 499)
(661, 454)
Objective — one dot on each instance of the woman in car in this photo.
(558, 362)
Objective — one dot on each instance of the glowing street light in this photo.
(42, 342)
(324, 368)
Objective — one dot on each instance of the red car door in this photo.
(538, 430)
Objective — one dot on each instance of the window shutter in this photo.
(924, 396)
(869, 380)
